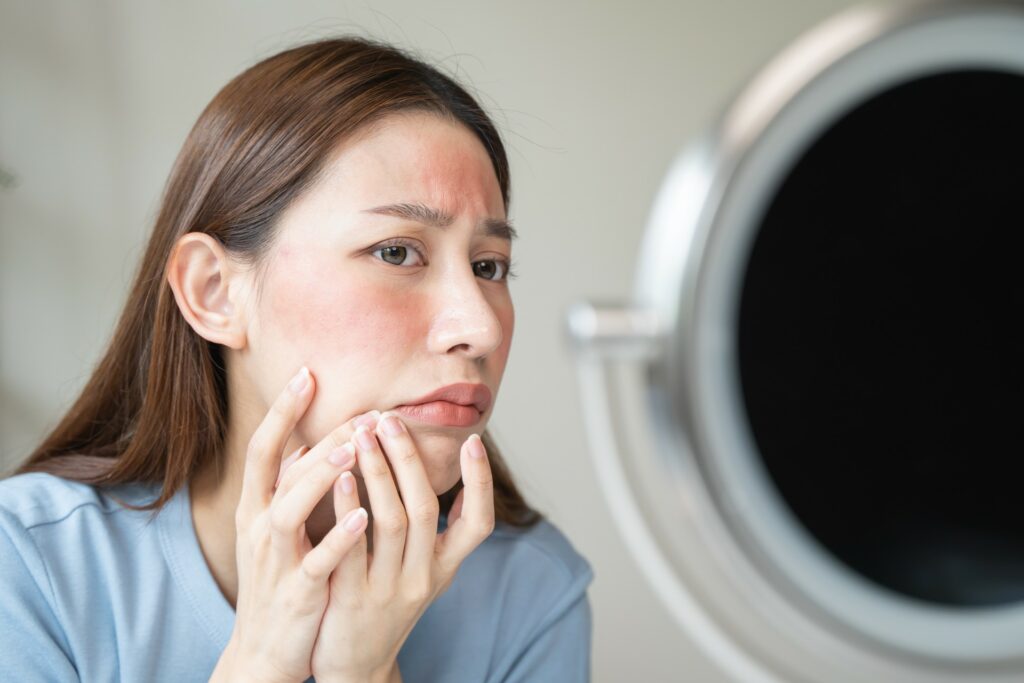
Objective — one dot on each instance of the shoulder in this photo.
(536, 569)
(58, 525)
(33, 505)
(518, 590)
(37, 499)
(55, 527)
(541, 550)
(81, 573)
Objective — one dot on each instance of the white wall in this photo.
(594, 100)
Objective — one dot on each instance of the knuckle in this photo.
(393, 526)
(281, 521)
(337, 437)
(448, 566)
(483, 483)
(426, 511)
(383, 594)
(484, 527)
(375, 468)
(309, 570)
(297, 606)
(416, 591)
(405, 453)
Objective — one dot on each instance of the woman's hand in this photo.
(376, 599)
(282, 579)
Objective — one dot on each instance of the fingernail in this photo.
(391, 425)
(342, 456)
(363, 438)
(348, 482)
(476, 446)
(369, 419)
(355, 520)
(300, 381)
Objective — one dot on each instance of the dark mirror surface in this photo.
(880, 345)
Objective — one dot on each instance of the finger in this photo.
(263, 457)
(476, 519)
(340, 543)
(323, 450)
(351, 570)
(289, 461)
(290, 511)
(421, 506)
(389, 520)
(456, 509)
(346, 498)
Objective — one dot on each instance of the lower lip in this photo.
(442, 413)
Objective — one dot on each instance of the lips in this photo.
(464, 394)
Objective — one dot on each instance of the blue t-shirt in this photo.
(94, 591)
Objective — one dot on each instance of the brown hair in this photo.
(155, 408)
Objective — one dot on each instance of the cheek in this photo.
(507, 318)
(353, 336)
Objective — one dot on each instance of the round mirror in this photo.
(811, 411)
(880, 353)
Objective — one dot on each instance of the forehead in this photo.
(413, 157)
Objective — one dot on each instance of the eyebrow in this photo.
(493, 227)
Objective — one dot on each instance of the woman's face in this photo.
(384, 304)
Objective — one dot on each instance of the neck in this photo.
(215, 491)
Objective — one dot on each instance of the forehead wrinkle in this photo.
(420, 213)
(415, 212)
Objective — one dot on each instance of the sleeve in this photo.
(32, 642)
(559, 650)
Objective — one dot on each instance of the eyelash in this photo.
(509, 272)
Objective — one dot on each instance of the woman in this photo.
(327, 278)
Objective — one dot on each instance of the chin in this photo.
(440, 455)
(439, 448)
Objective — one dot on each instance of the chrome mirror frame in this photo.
(659, 381)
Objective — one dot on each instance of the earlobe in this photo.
(202, 276)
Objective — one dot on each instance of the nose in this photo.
(465, 322)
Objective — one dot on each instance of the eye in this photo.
(397, 254)
(493, 269)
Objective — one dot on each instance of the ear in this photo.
(208, 287)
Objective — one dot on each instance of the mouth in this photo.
(455, 405)
(443, 413)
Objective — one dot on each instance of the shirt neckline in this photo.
(185, 559)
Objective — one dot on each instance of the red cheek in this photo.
(354, 333)
(325, 317)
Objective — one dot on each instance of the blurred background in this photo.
(594, 100)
